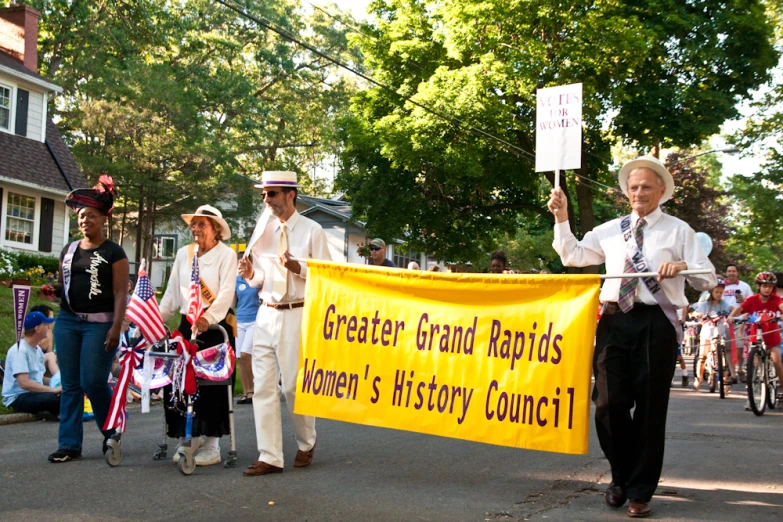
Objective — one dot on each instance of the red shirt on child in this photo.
(768, 329)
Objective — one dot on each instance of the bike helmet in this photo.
(721, 282)
(766, 278)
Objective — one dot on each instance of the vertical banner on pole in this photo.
(559, 129)
(21, 298)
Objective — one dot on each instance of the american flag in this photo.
(195, 305)
(143, 309)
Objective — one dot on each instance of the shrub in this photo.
(27, 260)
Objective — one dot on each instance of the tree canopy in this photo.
(654, 73)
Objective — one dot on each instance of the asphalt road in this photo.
(722, 463)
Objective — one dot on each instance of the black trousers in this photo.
(634, 362)
(36, 402)
(211, 408)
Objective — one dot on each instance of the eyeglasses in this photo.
(271, 193)
(375, 248)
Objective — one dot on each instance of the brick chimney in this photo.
(19, 34)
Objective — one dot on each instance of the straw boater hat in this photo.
(654, 164)
(278, 178)
(211, 212)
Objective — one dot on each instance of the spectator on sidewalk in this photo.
(413, 265)
(25, 389)
(498, 262)
(378, 253)
(734, 294)
(248, 303)
(47, 347)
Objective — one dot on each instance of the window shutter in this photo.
(22, 104)
(47, 222)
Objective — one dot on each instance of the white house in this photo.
(334, 215)
(37, 170)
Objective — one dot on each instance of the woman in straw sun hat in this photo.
(217, 266)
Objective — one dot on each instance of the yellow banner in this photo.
(501, 359)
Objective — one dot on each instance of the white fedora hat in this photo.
(278, 178)
(654, 164)
(211, 212)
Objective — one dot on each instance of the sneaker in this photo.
(747, 406)
(208, 457)
(684, 381)
(64, 455)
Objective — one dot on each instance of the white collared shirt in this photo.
(217, 268)
(306, 240)
(666, 239)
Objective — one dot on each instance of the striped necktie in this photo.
(628, 285)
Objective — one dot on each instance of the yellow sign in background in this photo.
(501, 359)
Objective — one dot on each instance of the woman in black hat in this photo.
(94, 279)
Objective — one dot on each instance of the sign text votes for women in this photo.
(559, 128)
(501, 359)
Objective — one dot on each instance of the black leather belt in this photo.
(285, 306)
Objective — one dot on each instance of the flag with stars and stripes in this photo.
(143, 309)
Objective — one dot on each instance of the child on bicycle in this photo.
(709, 330)
(769, 303)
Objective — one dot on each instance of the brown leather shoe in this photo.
(615, 496)
(638, 509)
(261, 468)
(304, 458)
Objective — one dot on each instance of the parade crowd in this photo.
(258, 297)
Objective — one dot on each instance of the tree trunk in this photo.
(139, 225)
(150, 257)
(124, 221)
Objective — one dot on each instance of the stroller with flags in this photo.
(152, 358)
(172, 360)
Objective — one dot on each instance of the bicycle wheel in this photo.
(772, 392)
(721, 377)
(757, 383)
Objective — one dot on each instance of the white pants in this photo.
(244, 339)
(276, 355)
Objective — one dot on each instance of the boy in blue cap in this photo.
(25, 389)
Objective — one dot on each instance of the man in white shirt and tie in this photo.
(281, 237)
(638, 334)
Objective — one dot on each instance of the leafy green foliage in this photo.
(175, 99)
(656, 72)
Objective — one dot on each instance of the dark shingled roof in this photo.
(49, 164)
(14, 64)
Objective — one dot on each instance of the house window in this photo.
(401, 259)
(5, 108)
(166, 247)
(20, 218)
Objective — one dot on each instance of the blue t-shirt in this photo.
(706, 307)
(21, 358)
(247, 301)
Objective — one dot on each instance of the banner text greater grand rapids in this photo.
(537, 346)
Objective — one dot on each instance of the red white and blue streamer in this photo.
(131, 352)
(215, 363)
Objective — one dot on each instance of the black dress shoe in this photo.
(638, 509)
(615, 496)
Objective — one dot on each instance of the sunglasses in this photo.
(375, 248)
(271, 193)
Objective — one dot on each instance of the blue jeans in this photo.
(84, 368)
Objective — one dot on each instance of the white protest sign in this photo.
(559, 129)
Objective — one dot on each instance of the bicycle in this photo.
(716, 366)
(763, 384)
(690, 340)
